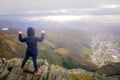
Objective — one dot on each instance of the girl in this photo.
(31, 50)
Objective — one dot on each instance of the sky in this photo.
(97, 10)
(19, 6)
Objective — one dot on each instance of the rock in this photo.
(28, 77)
(16, 61)
(45, 70)
(4, 73)
(110, 69)
(4, 60)
(10, 70)
(14, 74)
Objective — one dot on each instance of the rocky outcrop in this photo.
(10, 70)
(110, 70)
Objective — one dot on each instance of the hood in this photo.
(30, 31)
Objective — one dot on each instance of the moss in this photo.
(79, 76)
(58, 67)
(27, 64)
(74, 76)
(86, 77)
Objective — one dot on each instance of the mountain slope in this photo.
(65, 47)
(9, 45)
(69, 43)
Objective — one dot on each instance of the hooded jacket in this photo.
(31, 41)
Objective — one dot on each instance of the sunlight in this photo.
(105, 19)
(4, 29)
(109, 6)
(65, 18)
(34, 18)
(63, 11)
(59, 18)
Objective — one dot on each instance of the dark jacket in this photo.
(31, 41)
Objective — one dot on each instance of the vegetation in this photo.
(78, 76)
(64, 47)
(68, 63)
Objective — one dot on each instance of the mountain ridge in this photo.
(10, 70)
(63, 44)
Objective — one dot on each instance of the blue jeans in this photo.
(34, 58)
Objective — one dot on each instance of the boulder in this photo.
(110, 69)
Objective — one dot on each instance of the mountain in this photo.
(15, 24)
(69, 44)
(66, 47)
(9, 45)
(18, 22)
(10, 70)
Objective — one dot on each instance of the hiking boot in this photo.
(37, 72)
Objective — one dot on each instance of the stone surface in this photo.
(110, 69)
(10, 70)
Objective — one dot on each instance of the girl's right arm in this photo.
(40, 39)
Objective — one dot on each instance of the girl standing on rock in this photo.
(32, 50)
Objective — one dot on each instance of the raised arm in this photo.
(40, 39)
(21, 37)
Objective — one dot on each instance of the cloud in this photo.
(99, 12)
(101, 19)
(110, 6)
(4, 29)
(40, 5)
